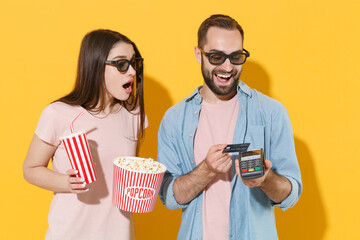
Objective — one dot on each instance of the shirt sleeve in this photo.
(168, 155)
(48, 128)
(283, 156)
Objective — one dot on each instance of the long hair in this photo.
(90, 90)
(220, 21)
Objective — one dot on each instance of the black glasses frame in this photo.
(131, 62)
(208, 55)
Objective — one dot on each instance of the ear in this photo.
(197, 54)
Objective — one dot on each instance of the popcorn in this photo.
(144, 165)
(136, 183)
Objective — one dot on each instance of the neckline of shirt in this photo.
(101, 115)
(220, 104)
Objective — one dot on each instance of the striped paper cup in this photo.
(77, 149)
(135, 191)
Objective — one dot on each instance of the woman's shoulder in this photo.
(59, 113)
(55, 120)
(61, 106)
(63, 110)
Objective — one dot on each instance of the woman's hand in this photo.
(36, 170)
(75, 184)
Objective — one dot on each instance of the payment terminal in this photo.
(252, 164)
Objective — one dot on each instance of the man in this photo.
(200, 178)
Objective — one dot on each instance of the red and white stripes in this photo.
(135, 191)
(77, 149)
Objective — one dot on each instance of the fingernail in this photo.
(82, 179)
(76, 171)
(83, 185)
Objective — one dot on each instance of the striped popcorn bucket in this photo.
(77, 149)
(135, 191)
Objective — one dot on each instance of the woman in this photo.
(109, 93)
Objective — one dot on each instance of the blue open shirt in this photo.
(264, 123)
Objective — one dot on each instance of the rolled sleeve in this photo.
(293, 196)
(169, 155)
(167, 193)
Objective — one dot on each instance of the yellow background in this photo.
(303, 53)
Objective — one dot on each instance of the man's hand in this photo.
(275, 186)
(188, 186)
(216, 161)
(256, 182)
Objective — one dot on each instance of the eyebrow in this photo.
(123, 57)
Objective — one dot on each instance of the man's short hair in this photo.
(220, 21)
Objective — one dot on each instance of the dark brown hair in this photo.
(89, 89)
(220, 21)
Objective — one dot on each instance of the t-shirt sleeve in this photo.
(48, 128)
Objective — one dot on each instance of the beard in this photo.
(220, 90)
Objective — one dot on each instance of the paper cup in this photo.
(135, 191)
(77, 149)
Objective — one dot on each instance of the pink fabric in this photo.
(216, 126)
(89, 215)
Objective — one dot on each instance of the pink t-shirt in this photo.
(89, 215)
(216, 126)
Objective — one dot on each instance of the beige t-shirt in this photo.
(89, 215)
(216, 126)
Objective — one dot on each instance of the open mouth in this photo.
(223, 77)
(127, 85)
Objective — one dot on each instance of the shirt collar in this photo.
(195, 95)
(241, 88)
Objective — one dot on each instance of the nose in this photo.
(131, 71)
(227, 65)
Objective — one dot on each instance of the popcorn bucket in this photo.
(136, 191)
(77, 149)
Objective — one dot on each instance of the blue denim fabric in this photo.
(264, 123)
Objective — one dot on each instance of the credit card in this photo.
(242, 147)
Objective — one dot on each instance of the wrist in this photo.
(267, 179)
(206, 169)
